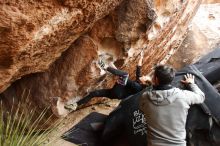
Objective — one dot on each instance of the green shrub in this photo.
(24, 125)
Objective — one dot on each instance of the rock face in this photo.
(210, 1)
(203, 36)
(34, 34)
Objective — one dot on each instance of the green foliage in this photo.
(24, 125)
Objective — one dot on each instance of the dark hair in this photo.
(165, 74)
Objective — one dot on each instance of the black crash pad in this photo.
(83, 134)
(209, 66)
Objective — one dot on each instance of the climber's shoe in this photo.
(102, 64)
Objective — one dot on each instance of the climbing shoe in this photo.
(101, 63)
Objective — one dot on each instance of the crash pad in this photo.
(83, 134)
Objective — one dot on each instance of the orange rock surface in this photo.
(54, 45)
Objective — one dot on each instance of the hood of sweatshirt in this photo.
(162, 97)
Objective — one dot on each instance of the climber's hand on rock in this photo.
(71, 107)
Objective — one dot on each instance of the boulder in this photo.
(203, 36)
(59, 55)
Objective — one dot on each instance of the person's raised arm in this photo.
(196, 96)
(140, 61)
(138, 67)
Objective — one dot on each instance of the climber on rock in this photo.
(123, 88)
